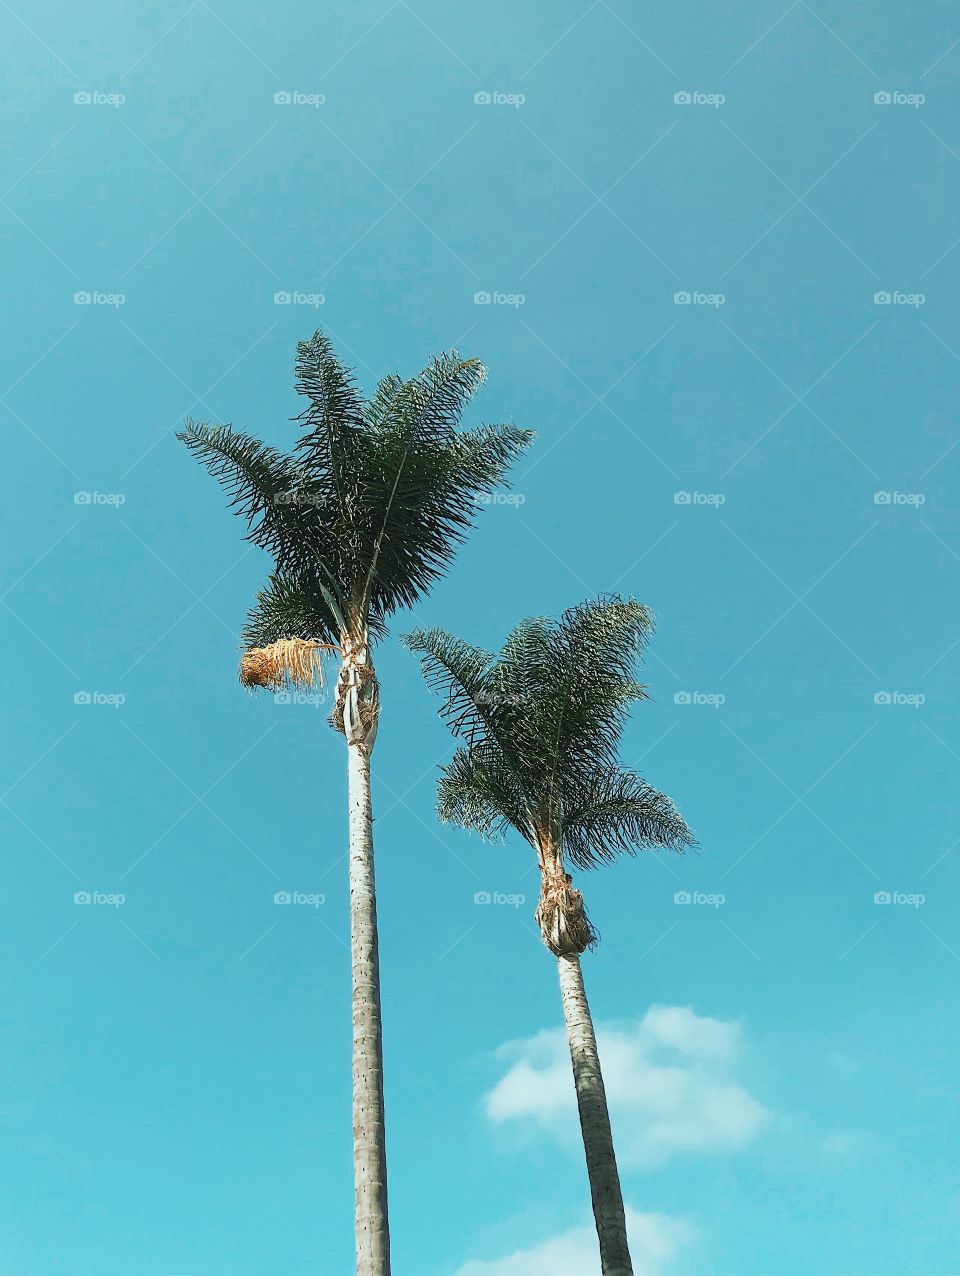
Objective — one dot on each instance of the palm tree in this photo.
(360, 518)
(541, 723)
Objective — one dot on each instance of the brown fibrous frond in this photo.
(566, 929)
(290, 662)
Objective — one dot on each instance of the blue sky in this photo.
(730, 316)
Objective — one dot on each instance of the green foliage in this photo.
(541, 724)
(368, 509)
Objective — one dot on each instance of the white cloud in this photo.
(655, 1242)
(669, 1079)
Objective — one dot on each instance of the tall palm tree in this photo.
(360, 518)
(541, 724)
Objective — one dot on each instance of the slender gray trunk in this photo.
(369, 1141)
(594, 1122)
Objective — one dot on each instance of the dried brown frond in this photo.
(290, 662)
(566, 929)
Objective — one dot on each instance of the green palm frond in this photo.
(459, 672)
(616, 812)
(333, 418)
(542, 723)
(260, 481)
(480, 792)
(367, 511)
(423, 479)
(377, 409)
(291, 608)
(589, 662)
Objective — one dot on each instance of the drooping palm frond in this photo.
(479, 791)
(285, 511)
(291, 608)
(615, 811)
(289, 662)
(542, 723)
(460, 673)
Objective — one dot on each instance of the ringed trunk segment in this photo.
(602, 1171)
(369, 1130)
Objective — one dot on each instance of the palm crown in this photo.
(541, 724)
(367, 510)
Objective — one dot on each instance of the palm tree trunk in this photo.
(369, 1142)
(594, 1122)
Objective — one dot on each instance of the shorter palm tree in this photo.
(541, 723)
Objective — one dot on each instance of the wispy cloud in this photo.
(656, 1241)
(670, 1079)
